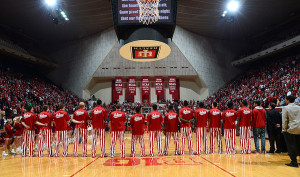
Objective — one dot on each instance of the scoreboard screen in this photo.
(126, 15)
(129, 11)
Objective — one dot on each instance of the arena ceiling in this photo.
(92, 16)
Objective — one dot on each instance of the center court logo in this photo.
(145, 52)
(152, 161)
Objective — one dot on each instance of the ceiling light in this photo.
(233, 6)
(67, 19)
(50, 2)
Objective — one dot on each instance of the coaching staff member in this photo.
(274, 122)
(291, 129)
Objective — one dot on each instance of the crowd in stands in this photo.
(270, 82)
(256, 47)
(19, 89)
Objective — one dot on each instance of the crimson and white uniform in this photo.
(98, 116)
(29, 119)
(244, 114)
(9, 132)
(229, 117)
(201, 130)
(214, 117)
(155, 120)
(45, 132)
(137, 123)
(80, 129)
(61, 118)
(171, 121)
(117, 119)
(19, 130)
(185, 128)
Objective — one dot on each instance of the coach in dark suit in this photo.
(291, 129)
(274, 122)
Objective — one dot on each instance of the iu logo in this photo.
(145, 52)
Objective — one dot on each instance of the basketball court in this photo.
(139, 32)
(187, 165)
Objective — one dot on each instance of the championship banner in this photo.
(119, 85)
(131, 85)
(145, 85)
(159, 85)
(172, 84)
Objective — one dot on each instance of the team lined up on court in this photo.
(206, 123)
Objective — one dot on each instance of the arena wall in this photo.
(78, 61)
(83, 63)
(211, 58)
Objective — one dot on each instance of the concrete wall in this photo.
(211, 58)
(79, 60)
(98, 56)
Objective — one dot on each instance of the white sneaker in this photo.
(13, 151)
(4, 154)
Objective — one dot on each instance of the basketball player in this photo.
(201, 116)
(214, 124)
(18, 134)
(155, 120)
(229, 117)
(244, 118)
(137, 123)
(44, 120)
(98, 116)
(171, 128)
(28, 121)
(80, 118)
(186, 117)
(117, 121)
(259, 125)
(61, 119)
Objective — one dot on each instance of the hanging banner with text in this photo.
(131, 85)
(159, 85)
(172, 85)
(119, 85)
(145, 85)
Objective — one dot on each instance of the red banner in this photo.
(172, 85)
(119, 85)
(145, 85)
(131, 86)
(159, 85)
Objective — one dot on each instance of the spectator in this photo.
(274, 123)
(291, 129)
(259, 125)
